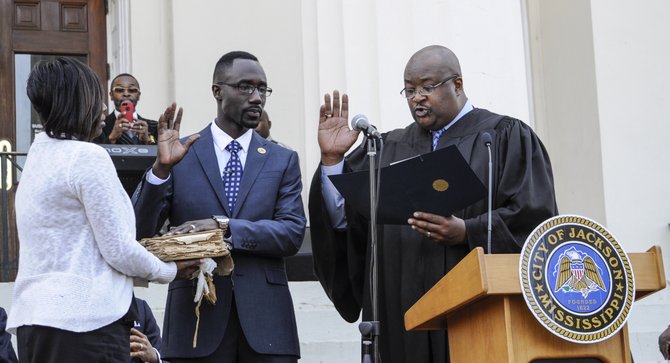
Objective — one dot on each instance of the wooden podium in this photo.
(488, 320)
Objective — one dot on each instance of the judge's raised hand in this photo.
(448, 231)
(335, 136)
(170, 150)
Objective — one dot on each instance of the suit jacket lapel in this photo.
(256, 158)
(204, 151)
(109, 125)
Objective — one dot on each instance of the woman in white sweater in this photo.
(78, 253)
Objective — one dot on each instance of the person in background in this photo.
(117, 129)
(263, 129)
(73, 295)
(7, 354)
(145, 334)
(414, 256)
(664, 343)
(250, 188)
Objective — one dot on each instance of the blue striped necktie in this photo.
(232, 175)
(436, 136)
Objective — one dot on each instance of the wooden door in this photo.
(30, 31)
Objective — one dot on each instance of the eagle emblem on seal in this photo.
(577, 273)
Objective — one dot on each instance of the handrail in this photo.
(7, 159)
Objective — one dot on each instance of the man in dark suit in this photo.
(118, 130)
(263, 129)
(664, 343)
(7, 354)
(198, 186)
(145, 336)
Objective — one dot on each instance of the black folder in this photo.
(440, 182)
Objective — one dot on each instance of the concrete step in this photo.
(324, 336)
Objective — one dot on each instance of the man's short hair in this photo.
(111, 84)
(226, 61)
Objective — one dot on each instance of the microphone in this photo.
(360, 123)
(486, 138)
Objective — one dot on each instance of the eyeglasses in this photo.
(131, 90)
(249, 89)
(425, 90)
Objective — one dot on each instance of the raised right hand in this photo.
(170, 150)
(335, 137)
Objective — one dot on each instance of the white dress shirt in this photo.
(221, 140)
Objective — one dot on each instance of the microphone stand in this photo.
(487, 143)
(370, 330)
(490, 197)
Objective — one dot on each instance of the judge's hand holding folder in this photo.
(422, 191)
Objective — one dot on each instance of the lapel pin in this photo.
(261, 150)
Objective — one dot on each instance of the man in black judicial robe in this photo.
(413, 257)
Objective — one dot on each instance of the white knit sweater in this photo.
(77, 240)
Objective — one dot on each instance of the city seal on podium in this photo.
(576, 279)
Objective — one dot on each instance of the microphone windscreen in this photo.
(360, 122)
(486, 138)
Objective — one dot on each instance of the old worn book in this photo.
(188, 246)
(196, 245)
